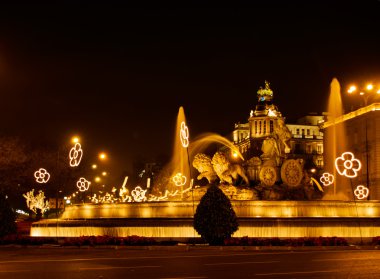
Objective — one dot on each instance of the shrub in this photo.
(215, 220)
(7, 217)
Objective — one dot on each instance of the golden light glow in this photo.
(75, 139)
(361, 93)
(83, 184)
(179, 179)
(352, 89)
(316, 183)
(97, 179)
(378, 91)
(369, 86)
(327, 179)
(361, 192)
(94, 166)
(41, 176)
(184, 135)
(75, 155)
(102, 156)
(347, 165)
(234, 154)
(272, 113)
(104, 173)
(138, 194)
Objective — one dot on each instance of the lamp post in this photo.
(366, 92)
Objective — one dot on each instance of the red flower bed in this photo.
(294, 242)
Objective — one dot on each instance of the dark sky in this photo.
(117, 76)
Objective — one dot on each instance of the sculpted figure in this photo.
(270, 150)
(226, 171)
(284, 135)
(202, 163)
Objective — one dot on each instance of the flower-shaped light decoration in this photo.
(83, 184)
(179, 179)
(327, 179)
(361, 192)
(75, 155)
(42, 176)
(184, 135)
(138, 194)
(347, 165)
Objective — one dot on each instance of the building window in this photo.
(271, 126)
(265, 127)
(308, 132)
(320, 163)
(255, 127)
(319, 148)
(308, 149)
(303, 132)
(260, 127)
(298, 131)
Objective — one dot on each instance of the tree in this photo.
(7, 217)
(215, 219)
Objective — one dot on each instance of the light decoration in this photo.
(138, 194)
(179, 179)
(75, 155)
(361, 192)
(347, 165)
(36, 202)
(83, 184)
(42, 176)
(184, 135)
(327, 179)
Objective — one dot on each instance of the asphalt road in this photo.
(73, 263)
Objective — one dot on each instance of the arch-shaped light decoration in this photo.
(138, 194)
(41, 176)
(347, 165)
(316, 183)
(184, 135)
(327, 179)
(83, 184)
(75, 155)
(361, 192)
(179, 179)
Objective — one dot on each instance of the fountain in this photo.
(335, 144)
(259, 188)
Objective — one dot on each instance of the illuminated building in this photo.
(306, 135)
(362, 139)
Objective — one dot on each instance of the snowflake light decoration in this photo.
(348, 165)
(42, 176)
(361, 192)
(184, 135)
(179, 179)
(83, 184)
(138, 194)
(75, 155)
(327, 179)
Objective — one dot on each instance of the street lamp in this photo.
(102, 156)
(365, 92)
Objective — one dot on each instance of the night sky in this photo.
(116, 76)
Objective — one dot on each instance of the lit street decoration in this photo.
(42, 176)
(327, 179)
(184, 135)
(34, 202)
(75, 155)
(138, 194)
(347, 165)
(361, 192)
(83, 184)
(179, 179)
(316, 183)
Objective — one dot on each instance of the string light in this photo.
(138, 194)
(83, 184)
(42, 176)
(347, 165)
(361, 192)
(327, 179)
(179, 179)
(75, 155)
(184, 135)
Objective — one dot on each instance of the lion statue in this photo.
(226, 171)
(202, 163)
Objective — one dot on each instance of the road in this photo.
(73, 263)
